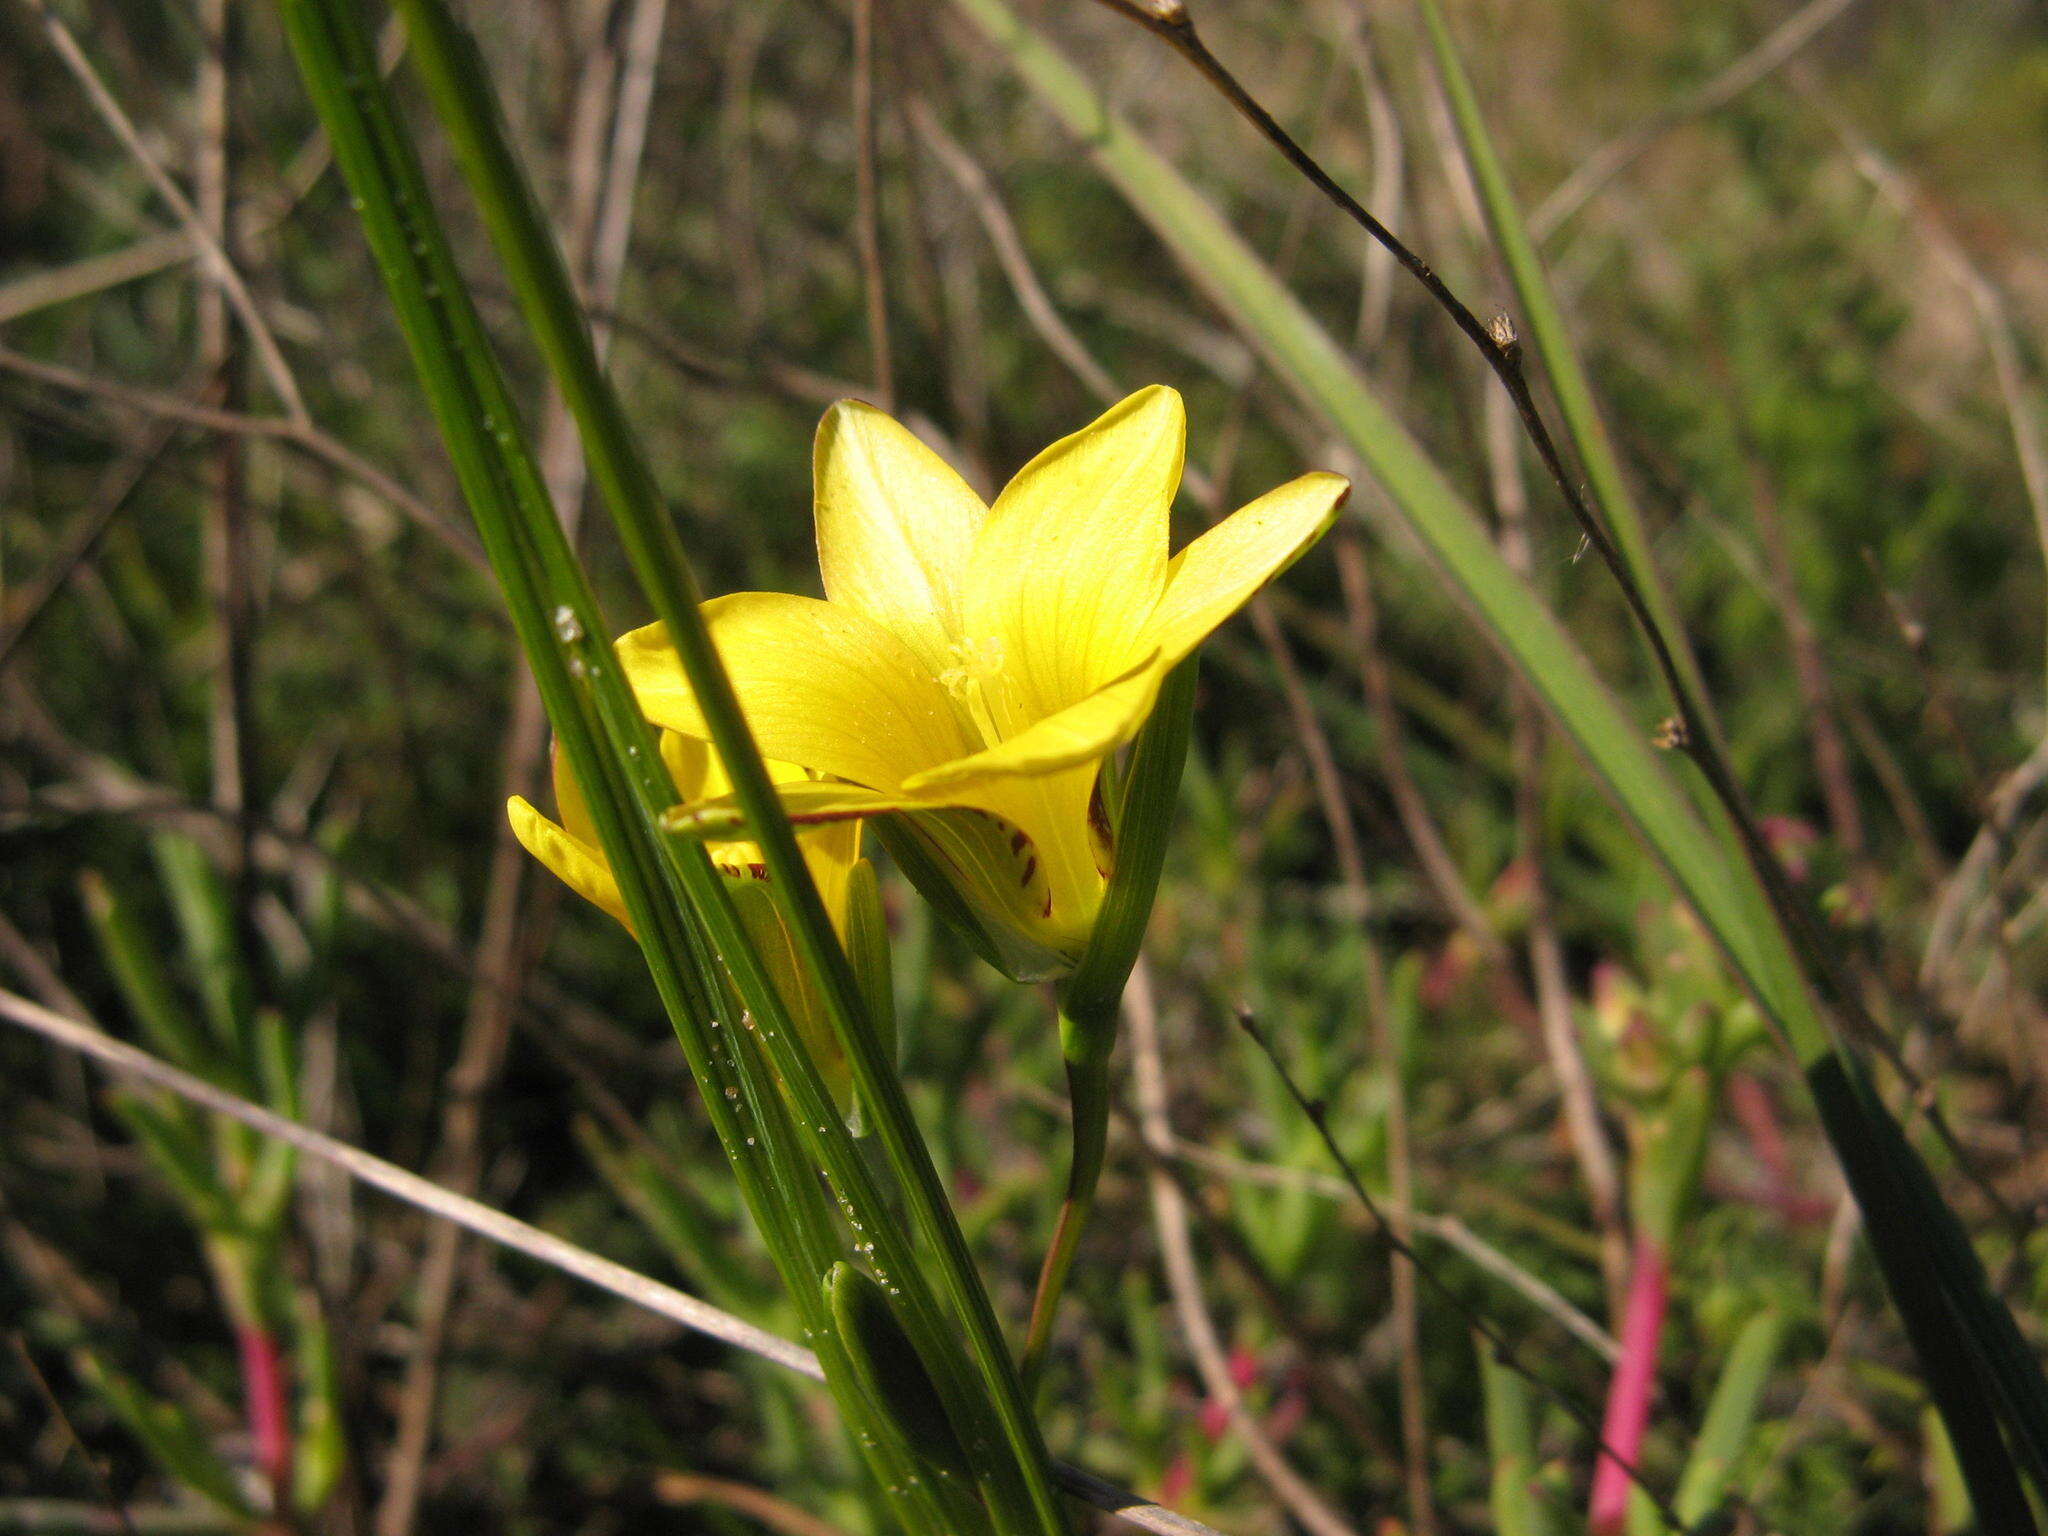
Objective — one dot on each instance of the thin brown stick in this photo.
(104, 788)
(221, 269)
(739, 208)
(87, 529)
(1562, 1047)
(1504, 1348)
(1405, 1314)
(2030, 450)
(303, 436)
(167, 248)
(1817, 692)
(1620, 152)
(1183, 1274)
(224, 529)
(507, 1231)
(867, 200)
(1411, 808)
(93, 274)
(1388, 187)
(1447, 1229)
(685, 1488)
(1008, 245)
(98, 1473)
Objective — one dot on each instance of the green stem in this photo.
(1088, 1094)
(1091, 997)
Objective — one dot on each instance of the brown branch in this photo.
(867, 210)
(304, 436)
(222, 270)
(1622, 151)
(1008, 245)
(685, 1488)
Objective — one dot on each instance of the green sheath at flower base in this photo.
(889, 1368)
(972, 666)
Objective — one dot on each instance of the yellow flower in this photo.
(971, 666)
(570, 850)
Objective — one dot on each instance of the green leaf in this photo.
(1144, 823)
(1511, 1448)
(320, 1449)
(1553, 345)
(890, 1368)
(1731, 1417)
(145, 988)
(206, 921)
(177, 1442)
(178, 1147)
(613, 753)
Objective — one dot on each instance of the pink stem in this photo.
(265, 1395)
(1628, 1395)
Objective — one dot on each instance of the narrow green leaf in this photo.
(1511, 1448)
(145, 988)
(890, 1368)
(179, 1149)
(174, 1439)
(867, 946)
(206, 920)
(320, 1449)
(1731, 1417)
(609, 744)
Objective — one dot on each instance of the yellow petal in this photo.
(830, 853)
(569, 802)
(808, 803)
(792, 981)
(823, 687)
(1072, 559)
(1222, 570)
(1081, 733)
(577, 864)
(692, 766)
(895, 525)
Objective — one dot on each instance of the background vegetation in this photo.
(252, 668)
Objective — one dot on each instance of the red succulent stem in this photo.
(1628, 1394)
(266, 1396)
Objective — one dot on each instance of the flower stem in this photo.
(1088, 1092)
(1628, 1394)
(265, 1398)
